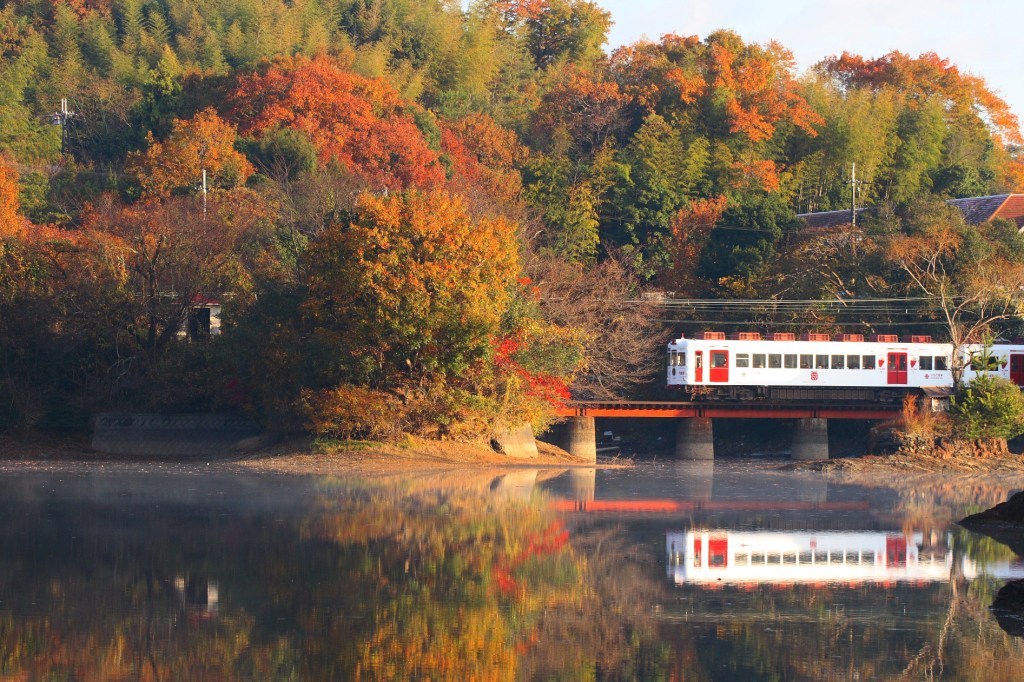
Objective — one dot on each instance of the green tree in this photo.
(989, 407)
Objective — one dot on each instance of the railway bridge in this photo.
(695, 430)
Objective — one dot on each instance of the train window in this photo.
(789, 558)
(741, 558)
(758, 360)
(852, 362)
(682, 359)
(789, 361)
(941, 363)
(868, 362)
(672, 361)
(719, 359)
(868, 557)
(852, 558)
(774, 558)
(806, 557)
(820, 557)
(925, 362)
(757, 557)
(820, 362)
(743, 360)
(806, 361)
(775, 361)
(980, 362)
(838, 362)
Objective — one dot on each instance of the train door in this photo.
(698, 366)
(897, 368)
(1017, 368)
(895, 551)
(718, 552)
(719, 366)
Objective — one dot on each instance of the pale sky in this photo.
(984, 37)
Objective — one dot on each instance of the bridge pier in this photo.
(810, 439)
(578, 436)
(695, 438)
(582, 483)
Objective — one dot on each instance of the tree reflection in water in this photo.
(425, 576)
(370, 580)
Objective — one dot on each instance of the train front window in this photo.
(758, 360)
(790, 361)
(775, 361)
(941, 363)
(806, 361)
(925, 362)
(852, 362)
(820, 362)
(838, 362)
(743, 360)
(869, 362)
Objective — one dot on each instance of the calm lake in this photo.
(731, 570)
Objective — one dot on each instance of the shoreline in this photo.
(300, 456)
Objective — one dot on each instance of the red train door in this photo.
(698, 366)
(897, 368)
(1017, 368)
(896, 551)
(719, 366)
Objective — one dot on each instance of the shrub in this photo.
(353, 413)
(989, 407)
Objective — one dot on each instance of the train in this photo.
(717, 557)
(817, 367)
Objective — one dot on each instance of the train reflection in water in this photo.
(724, 557)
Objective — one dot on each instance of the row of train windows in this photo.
(793, 361)
(792, 558)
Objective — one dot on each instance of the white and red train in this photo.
(817, 367)
(719, 557)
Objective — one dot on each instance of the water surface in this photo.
(697, 571)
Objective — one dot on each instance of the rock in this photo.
(1008, 608)
(1012, 510)
(515, 442)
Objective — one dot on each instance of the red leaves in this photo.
(359, 122)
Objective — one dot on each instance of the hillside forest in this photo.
(435, 217)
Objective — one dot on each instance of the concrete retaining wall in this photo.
(183, 435)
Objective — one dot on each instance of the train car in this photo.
(817, 367)
(722, 556)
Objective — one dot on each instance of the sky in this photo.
(982, 37)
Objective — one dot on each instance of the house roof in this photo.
(829, 219)
(975, 209)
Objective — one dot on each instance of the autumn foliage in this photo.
(203, 143)
(360, 123)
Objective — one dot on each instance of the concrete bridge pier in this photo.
(582, 483)
(810, 439)
(695, 438)
(578, 436)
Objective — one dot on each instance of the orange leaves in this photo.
(586, 106)
(691, 229)
(12, 223)
(202, 142)
(928, 76)
(358, 122)
(485, 158)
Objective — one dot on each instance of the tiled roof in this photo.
(975, 209)
(828, 219)
(979, 209)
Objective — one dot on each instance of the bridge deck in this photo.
(744, 410)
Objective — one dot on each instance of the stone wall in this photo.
(183, 435)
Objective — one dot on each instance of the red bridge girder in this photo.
(748, 410)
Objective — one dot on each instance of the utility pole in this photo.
(61, 118)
